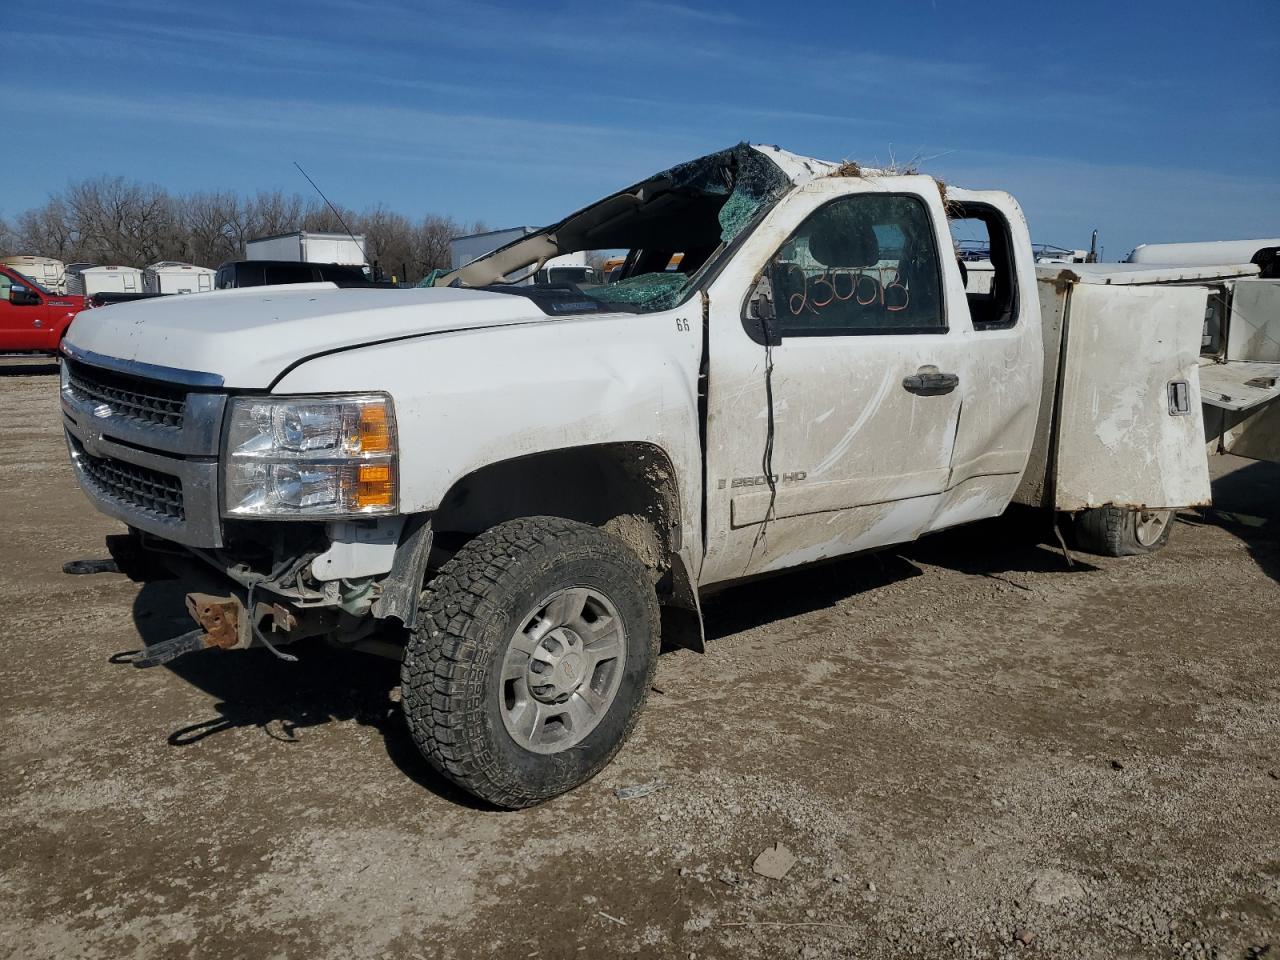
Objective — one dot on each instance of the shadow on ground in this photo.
(28, 368)
(1021, 541)
(1246, 503)
(255, 689)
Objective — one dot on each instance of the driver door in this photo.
(838, 437)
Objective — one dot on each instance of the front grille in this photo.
(140, 488)
(143, 400)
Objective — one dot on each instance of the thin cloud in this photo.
(692, 13)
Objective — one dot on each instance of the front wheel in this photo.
(534, 650)
(1123, 532)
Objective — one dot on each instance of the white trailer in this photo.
(302, 246)
(465, 249)
(46, 271)
(170, 276)
(87, 280)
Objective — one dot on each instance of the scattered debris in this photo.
(847, 169)
(638, 790)
(618, 920)
(953, 210)
(80, 567)
(774, 862)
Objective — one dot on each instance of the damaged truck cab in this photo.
(499, 483)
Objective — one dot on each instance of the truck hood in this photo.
(247, 338)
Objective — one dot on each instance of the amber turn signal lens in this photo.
(375, 429)
(375, 486)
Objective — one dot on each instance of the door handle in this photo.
(929, 381)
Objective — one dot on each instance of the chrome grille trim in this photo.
(200, 524)
(160, 405)
(145, 450)
(196, 379)
(141, 412)
(133, 487)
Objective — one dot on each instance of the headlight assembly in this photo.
(310, 457)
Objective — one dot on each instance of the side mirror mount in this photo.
(761, 319)
(21, 296)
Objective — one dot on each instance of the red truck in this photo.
(33, 320)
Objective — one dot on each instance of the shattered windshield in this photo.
(664, 230)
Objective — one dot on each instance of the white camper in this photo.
(46, 271)
(170, 276)
(86, 280)
(302, 246)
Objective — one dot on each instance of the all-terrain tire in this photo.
(1122, 532)
(451, 678)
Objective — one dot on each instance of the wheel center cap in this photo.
(571, 668)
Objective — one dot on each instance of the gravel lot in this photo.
(971, 750)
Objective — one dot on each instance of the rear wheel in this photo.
(534, 650)
(1122, 532)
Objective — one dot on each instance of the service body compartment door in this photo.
(1243, 393)
(1254, 329)
(1130, 431)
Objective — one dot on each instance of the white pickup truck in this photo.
(502, 483)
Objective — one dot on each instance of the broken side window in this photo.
(984, 248)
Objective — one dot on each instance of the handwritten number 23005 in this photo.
(863, 289)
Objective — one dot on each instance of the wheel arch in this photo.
(628, 488)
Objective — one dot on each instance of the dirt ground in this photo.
(972, 751)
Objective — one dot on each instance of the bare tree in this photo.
(390, 240)
(112, 220)
(209, 222)
(123, 223)
(48, 231)
(431, 244)
(321, 219)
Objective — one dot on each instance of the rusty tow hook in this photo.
(223, 624)
(221, 618)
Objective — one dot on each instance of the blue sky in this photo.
(1152, 122)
